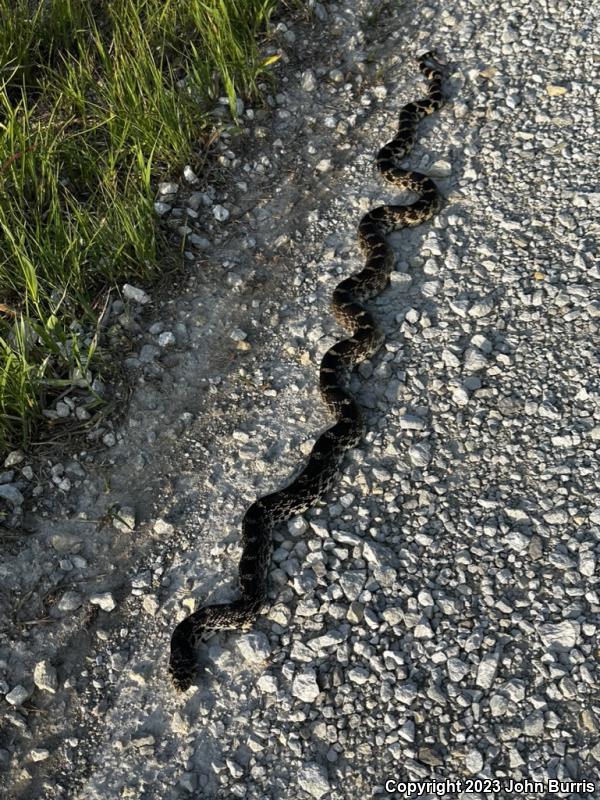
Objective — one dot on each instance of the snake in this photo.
(324, 463)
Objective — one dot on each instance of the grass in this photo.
(99, 99)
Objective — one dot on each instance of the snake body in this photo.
(325, 460)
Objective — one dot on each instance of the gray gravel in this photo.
(438, 618)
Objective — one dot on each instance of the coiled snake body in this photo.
(325, 459)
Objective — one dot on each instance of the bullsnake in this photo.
(325, 460)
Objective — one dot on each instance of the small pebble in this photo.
(17, 696)
(135, 294)
(254, 647)
(305, 687)
(45, 677)
(220, 213)
(103, 599)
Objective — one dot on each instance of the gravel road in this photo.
(438, 618)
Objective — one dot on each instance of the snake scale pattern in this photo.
(325, 460)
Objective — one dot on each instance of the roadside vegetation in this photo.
(99, 99)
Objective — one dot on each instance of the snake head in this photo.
(181, 677)
(182, 672)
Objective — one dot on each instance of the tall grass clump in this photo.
(98, 100)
